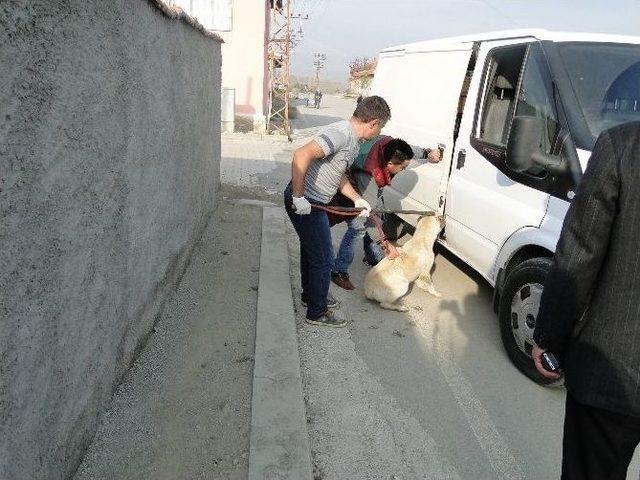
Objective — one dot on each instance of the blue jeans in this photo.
(316, 255)
(355, 229)
(371, 249)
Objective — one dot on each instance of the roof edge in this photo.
(539, 33)
(177, 13)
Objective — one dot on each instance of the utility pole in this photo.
(280, 45)
(318, 63)
(279, 53)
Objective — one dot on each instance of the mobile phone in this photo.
(550, 362)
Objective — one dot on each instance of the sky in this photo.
(346, 29)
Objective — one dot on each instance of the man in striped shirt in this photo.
(318, 173)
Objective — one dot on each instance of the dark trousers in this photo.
(598, 444)
(316, 255)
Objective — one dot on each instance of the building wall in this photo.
(244, 25)
(211, 14)
(244, 59)
(109, 167)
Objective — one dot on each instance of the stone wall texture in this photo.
(109, 168)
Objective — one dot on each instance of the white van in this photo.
(518, 113)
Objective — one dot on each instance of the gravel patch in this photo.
(184, 409)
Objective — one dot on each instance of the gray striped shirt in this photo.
(340, 146)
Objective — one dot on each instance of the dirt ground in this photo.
(184, 409)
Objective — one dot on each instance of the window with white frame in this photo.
(211, 14)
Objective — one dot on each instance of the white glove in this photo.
(301, 206)
(362, 203)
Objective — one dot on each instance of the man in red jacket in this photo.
(377, 162)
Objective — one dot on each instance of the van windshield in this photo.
(606, 81)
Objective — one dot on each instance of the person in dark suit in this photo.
(589, 315)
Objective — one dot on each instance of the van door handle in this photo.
(462, 156)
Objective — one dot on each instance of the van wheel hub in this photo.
(524, 311)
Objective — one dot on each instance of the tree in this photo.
(360, 64)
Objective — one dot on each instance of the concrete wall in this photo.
(248, 40)
(109, 166)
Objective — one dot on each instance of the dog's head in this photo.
(430, 225)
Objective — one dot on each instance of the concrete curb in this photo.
(257, 136)
(253, 203)
(279, 442)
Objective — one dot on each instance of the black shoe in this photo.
(342, 280)
(369, 261)
(331, 302)
(329, 319)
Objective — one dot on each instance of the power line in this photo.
(325, 4)
(303, 6)
(502, 13)
(316, 6)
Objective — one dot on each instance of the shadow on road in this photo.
(307, 120)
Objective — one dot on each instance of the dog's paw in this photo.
(434, 292)
(428, 287)
(394, 306)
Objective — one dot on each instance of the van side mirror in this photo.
(524, 147)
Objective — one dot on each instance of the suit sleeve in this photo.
(581, 249)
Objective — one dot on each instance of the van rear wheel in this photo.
(519, 304)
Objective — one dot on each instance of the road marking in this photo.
(491, 441)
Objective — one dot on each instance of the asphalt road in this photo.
(424, 394)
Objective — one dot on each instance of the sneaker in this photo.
(329, 319)
(331, 302)
(342, 280)
(369, 261)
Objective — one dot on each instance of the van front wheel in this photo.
(519, 304)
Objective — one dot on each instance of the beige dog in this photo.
(389, 280)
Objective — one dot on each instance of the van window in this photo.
(606, 81)
(518, 82)
(536, 99)
(500, 95)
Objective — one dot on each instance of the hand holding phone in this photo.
(546, 363)
(550, 362)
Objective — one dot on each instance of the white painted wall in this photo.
(244, 57)
(244, 26)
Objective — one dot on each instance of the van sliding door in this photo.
(423, 89)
